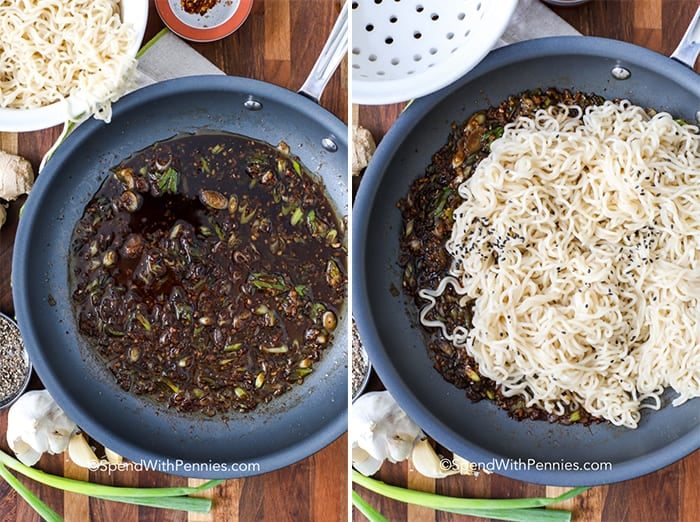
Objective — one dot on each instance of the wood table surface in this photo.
(278, 43)
(671, 494)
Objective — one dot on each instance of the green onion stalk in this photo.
(177, 498)
(515, 509)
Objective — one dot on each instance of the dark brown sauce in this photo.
(209, 272)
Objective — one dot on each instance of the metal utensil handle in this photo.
(334, 50)
(689, 47)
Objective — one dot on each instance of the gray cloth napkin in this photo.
(533, 19)
(168, 57)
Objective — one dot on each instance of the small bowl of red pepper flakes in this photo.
(203, 20)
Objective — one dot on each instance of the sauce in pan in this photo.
(208, 272)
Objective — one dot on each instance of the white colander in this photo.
(403, 49)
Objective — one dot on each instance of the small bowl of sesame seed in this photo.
(361, 367)
(15, 367)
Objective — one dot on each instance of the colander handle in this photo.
(689, 48)
(334, 50)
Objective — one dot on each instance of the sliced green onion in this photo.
(297, 216)
(276, 349)
(144, 322)
(261, 281)
(246, 217)
(442, 201)
(300, 373)
(205, 165)
(219, 232)
(168, 180)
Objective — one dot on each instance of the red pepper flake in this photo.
(199, 7)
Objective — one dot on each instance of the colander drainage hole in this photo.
(433, 51)
(369, 28)
(394, 61)
(380, 73)
(450, 36)
(355, 50)
(419, 8)
(389, 40)
(372, 57)
(467, 33)
(417, 35)
(461, 16)
(377, 2)
(417, 57)
(434, 17)
(355, 5)
(393, 19)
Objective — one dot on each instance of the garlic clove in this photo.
(369, 467)
(400, 446)
(24, 452)
(113, 457)
(364, 462)
(59, 437)
(81, 453)
(464, 466)
(359, 455)
(428, 463)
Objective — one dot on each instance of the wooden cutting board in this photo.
(276, 44)
(669, 495)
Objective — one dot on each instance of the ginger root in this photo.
(16, 176)
(363, 147)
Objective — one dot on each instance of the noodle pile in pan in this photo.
(578, 245)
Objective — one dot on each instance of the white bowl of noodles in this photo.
(75, 58)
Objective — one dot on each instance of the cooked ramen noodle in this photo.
(53, 49)
(578, 245)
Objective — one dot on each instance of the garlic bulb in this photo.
(381, 430)
(35, 425)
